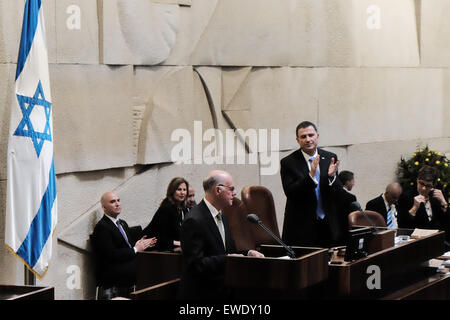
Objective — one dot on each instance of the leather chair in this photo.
(237, 219)
(259, 200)
(356, 218)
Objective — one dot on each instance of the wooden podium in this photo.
(155, 267)
(14, 292)
(278, 278)
(399, 267)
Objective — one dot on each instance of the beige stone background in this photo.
(372, 74)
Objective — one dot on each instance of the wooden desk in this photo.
(399, 266)
(154, 267)
(275, 278)
(14, 292)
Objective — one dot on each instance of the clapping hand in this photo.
(333, 168)
(314, 166)
(145, 243)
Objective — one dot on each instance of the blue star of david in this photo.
(25, 128)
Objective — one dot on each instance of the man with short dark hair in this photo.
(115, 251)
(426, 206)
(206, 240)
(348, 180)
(309, 182)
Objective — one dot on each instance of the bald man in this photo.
(115, 251)
(191, 198)
(386, 205)
(206, 240)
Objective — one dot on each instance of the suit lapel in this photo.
(228, 235)
(115, 229)
(302, 161)
(211, 224)
(324, 165)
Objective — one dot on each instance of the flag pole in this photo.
(29, 277)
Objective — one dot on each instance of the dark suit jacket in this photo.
(204, 255)
(345, 207)
(440, 219)
(165, 226)
(299, 227)
(115, 260)
(377, 205)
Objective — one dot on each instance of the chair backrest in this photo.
(259, 200)
(356, 218)
(237, 219)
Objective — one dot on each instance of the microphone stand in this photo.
(291, 253)
(374, 227)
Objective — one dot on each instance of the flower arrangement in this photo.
(407, 169)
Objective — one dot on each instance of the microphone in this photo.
(253, 218)
(356, 206)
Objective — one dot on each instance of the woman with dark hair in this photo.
(166, 223)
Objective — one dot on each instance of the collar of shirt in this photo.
(214, 212)
(428, 209)
(307, 157)
(346, 190)
(114, 220)
(386, 204)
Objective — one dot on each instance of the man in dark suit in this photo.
(191, 198)
(426, 206)
(347, 201)
(387, 203)
(206, 240)
(311, 187)
(115, 251)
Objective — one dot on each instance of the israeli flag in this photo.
(31, 210)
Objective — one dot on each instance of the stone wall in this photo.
(125, 75)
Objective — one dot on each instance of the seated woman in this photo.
(166, 223)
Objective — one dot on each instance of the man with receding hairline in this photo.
(206, 240)
(115, 251)
(191, 198)
(386, 205)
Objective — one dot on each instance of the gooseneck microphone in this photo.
(253, 218)
(355, 205)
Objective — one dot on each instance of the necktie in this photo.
(391, 217)
(428, 209)
(221, 227)
(123, 233)
(320, 213)
(390, 222)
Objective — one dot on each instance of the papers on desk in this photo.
(446, 255)
(284, 258)
(435, 263)
(420, 233)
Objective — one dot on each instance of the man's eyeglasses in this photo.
(426, 185)
(230, 188)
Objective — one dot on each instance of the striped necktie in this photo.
(319, 212)
(391, 217)
(390, 222)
